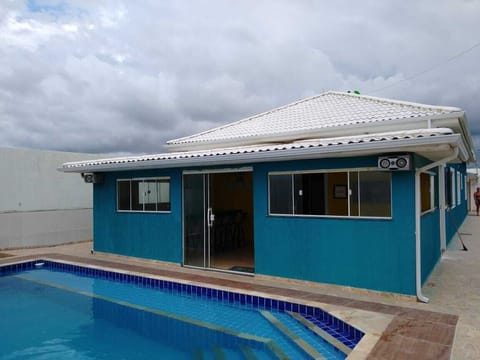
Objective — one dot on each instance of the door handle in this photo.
(210, 217)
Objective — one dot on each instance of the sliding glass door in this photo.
(218, 220)
(194, 214)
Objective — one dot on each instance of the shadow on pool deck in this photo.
(446, 327)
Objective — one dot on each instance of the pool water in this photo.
(50, 314)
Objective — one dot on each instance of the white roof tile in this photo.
(317, 113)
(255, 151)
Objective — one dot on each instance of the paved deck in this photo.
(398, 327)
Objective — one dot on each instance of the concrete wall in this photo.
(40, 205)
(41, 228)
(472, 183)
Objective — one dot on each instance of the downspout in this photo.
(442, 207)
(418, 210)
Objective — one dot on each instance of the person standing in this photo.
(476, 197)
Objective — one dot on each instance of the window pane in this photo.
(354, 187)
(137, 195)
(163, 195)
(448, 187)
(310, 194)
(425, 195)
(148, 189)
(452, 190)
(337, 194)
(321, 194)
(281, 194)
(123, 195)
(375, 198)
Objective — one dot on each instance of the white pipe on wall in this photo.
(442, 207)
(418, 211)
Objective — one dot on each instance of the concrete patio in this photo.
(398, 327)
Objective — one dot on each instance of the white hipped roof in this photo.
(327, 113)
(332, 124)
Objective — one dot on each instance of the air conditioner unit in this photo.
(396, 162)
(92, 178)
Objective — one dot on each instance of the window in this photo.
(452, 189)
(151, 194)
(427, 193)
(448, 188)
(354, 193)
(459, 196)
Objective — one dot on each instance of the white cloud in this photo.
(122, 76)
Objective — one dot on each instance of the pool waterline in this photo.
(252, 300)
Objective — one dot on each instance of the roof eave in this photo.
(343, 150)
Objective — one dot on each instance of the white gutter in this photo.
(418, 210)
(253, 156)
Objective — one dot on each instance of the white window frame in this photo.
(326, 171)
(453, 190)
(459, 182)
(432, 193)
(143, 179)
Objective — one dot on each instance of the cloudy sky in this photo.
(125, 76)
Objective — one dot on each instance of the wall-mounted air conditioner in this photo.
(92, 178)
(395, 162)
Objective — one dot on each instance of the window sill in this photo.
(428, 211)
(332, 217)
(143, 212)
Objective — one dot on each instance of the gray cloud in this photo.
(124, 77)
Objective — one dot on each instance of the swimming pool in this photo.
(60, 310)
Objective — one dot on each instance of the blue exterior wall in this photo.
(430, 222)
(455, 216)
(430, 242)
(366, 253)
(145, 235)
(429, 228)
(376, 254)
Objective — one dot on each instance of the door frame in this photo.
(206, 250)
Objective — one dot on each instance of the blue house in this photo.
(338, 188)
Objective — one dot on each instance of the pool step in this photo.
(301, 343)
(320, 332)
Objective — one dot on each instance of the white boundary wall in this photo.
(472, 180)
(39, 205)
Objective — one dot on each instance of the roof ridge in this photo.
(396, 102)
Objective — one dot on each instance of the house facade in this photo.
(338, 188)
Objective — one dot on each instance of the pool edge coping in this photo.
(387, 342)
(233, 290)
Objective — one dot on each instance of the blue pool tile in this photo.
(275, 304)
(340, 330)
(302, 309)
